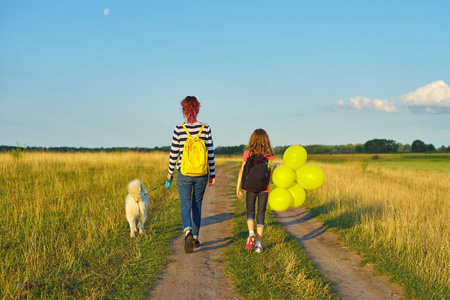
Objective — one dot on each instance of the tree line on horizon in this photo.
(371, 146)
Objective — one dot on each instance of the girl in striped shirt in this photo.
(191, 189)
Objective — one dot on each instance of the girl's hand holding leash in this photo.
(169, 180)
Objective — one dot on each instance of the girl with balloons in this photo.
(259, 149)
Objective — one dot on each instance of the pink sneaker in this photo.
(250, 242)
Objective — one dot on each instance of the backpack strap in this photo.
(198, 135)
(201, 129)
(187, 131)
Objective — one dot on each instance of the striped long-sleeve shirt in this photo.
(180, 136)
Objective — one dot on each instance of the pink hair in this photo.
(190, 106)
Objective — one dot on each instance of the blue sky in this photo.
(112, 73)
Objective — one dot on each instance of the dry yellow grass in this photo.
(399, 216)
(63, 226)
(63, 230)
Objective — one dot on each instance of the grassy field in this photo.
(409, 161)
(395, 210)
(283, 271)
(63, 231)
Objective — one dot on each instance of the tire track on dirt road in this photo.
(335, 261)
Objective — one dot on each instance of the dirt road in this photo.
(336, 263)
(200, 275)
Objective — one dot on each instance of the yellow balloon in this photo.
(310, 177)
(271, 188)
(283, 177)
(294, 157)
(280, 199)
(298, 195)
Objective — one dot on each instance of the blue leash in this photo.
(167, 184)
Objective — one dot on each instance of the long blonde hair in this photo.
(259, 143)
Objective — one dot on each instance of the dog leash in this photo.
(167, 183)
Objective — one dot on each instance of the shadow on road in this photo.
(302, 217)
(216, 219)
(213, 245)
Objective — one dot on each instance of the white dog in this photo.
(136, 205)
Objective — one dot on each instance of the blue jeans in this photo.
(191, 190)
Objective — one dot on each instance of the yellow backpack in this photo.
(195, 156)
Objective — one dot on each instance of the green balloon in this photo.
(310, 177)
(283, 177)
(294, 157)
(298, 195)
(280, 199)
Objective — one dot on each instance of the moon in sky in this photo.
(106, 11)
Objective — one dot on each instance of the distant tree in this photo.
(399, 147)
(63, 149)
(443, 149)
(431, 148)
(163, 148)
(418, 146)
(347, 149)
(280, 149)
(406, 148)
(380, 146)
(319, 149)
(359, 148)
(229, 150)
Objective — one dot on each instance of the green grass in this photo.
(282, 271)
(414, 162)
(393, 211)
(63, 233)
(385, 259)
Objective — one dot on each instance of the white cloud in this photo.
(431, 98)
(364, 103)
(106, 11)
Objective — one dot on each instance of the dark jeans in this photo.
(191, 190)
(262, 204)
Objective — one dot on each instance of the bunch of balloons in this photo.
(292, 178)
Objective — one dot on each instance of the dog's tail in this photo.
(135, 188)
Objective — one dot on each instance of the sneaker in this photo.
(188, 242)
(196, 243)
(259, 248)
(250, 242)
